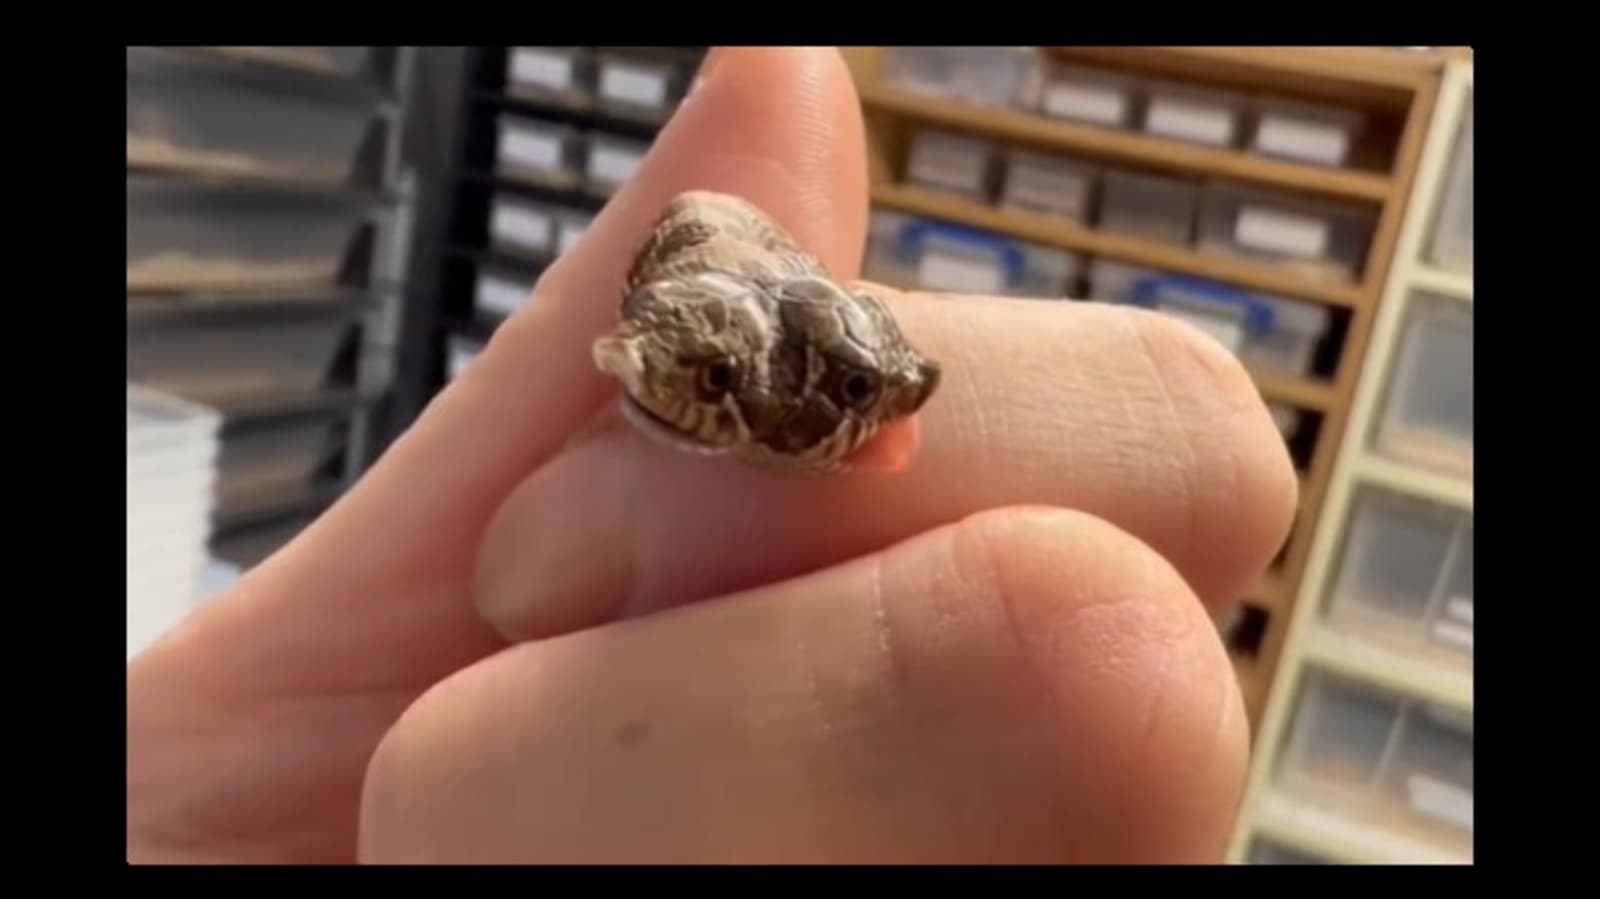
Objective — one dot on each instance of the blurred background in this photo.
(319, 238)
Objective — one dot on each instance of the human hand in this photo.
(531, 635)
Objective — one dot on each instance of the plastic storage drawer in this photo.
(636, 85)
(952, 162)
(1113, 282)
(1404, 577)
(611, 161)
(187, 238)
(531, 228)
(1381, 761)
(499, 294)
(939, 256)
(1304, 132)
(987, 76)
(1191, 114)
(1289, 345)
(1231, 316)
(564, 74)
(276, 458)
(1049, 184)
(1451, 247)
(541, 153)
(223, 361)
(1426, 417)
(1322, 241)
(1153, 207)
(181, 116)
(1088, 95)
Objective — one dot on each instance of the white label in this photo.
(542, 68)
(570, 232)
(1184, 120)
(1281, 232)
(1437, 799)
(958, 275)
(1460, 609)
(612, 164)
(1087, 102)
(525, 227)
(1453, 634)
(503, 297)
(631, 84)
(530, 149)
(1300, 139)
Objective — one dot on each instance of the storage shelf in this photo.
(1024, 127)
(1443, 488)
(1329, 835)
(267, 182)
(1354, 657)
(1302, 392)
(1362, 74)
(265, 408)
(1056, 232)
(1435, 280)
(589, 111)
(258, 510)
(142, 306)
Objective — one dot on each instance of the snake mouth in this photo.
(663, 430)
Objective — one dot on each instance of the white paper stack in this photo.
(172, 473)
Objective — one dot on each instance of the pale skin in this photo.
(530, 634)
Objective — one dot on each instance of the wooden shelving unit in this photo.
(1396, 88)
(1364, 752)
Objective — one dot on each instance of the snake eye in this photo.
(859, 388)
(718, 376)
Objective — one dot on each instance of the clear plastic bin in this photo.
(559, 73)
(542, 153)
(1404, 577)
(953, 162)
(226, 361)
(1049, 184)
(1451, 246)
(500, 295)
(1193, 114)
(1088, 95)
(939, 256)
(1231, 316)
(460, 353)
(1111, 281)
(1304, 132)
(280, 458)
(571, 226)
(1427, 406)
(1320, 240)
(646, 86)
(1153, 207)
(988, 76)
(1381, 760)
(611, 161)
(187, 238)
(1289, 346)
(180, 116)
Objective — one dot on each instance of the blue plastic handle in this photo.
(1258, 314)
(914, 235)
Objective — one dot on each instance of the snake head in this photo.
(797, 372)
